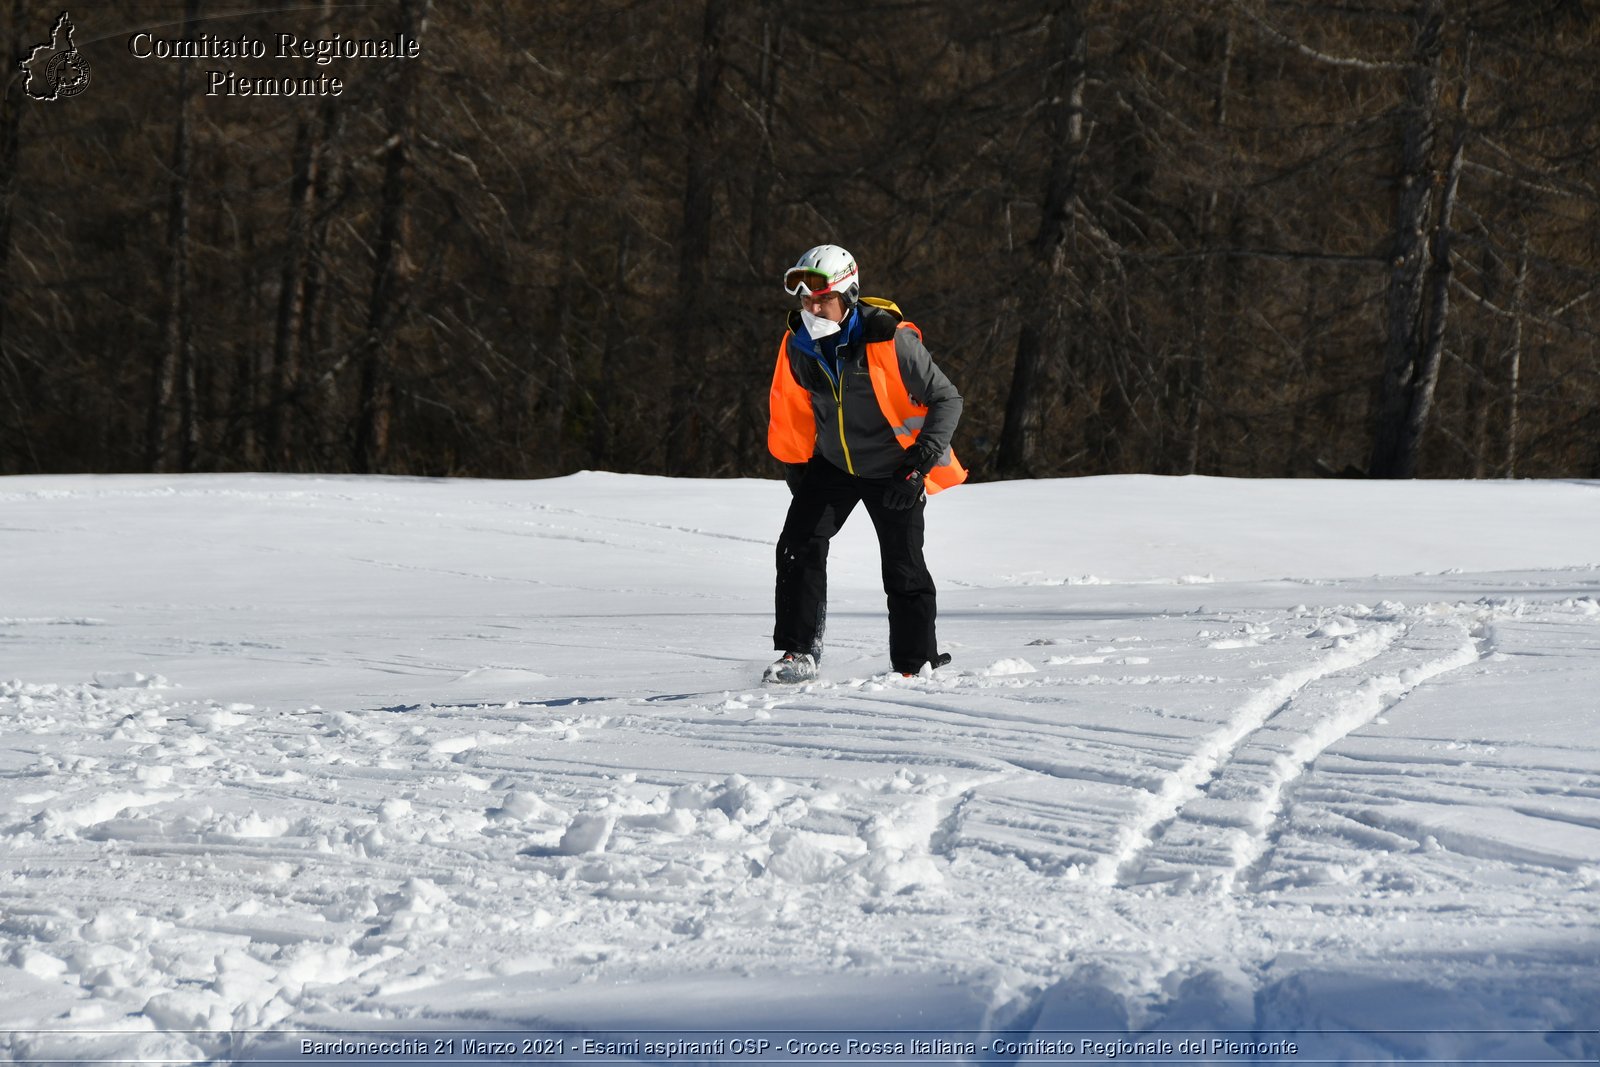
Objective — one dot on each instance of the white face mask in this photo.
(819, 327)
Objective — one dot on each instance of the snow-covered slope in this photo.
(1241, 761)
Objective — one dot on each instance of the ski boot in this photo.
(939, 660)
(793, 668)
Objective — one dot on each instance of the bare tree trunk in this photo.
(10, 162)
(1310, 365)
(1438, 310)
(240, 436)
(749, 453)
(1480, 401)
(1198, 381)
(391, 268)
(765, 176)
(1514, 364)
(689, 372)
(313, 447)
(283, 372)
(298, 283)
(559, 392)
(603, 436)
(1394, 450)
(1197, 372)
(174, 362)
(1040, 314)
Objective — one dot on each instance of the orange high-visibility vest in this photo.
(792, 429)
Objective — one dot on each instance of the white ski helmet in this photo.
(825, 269)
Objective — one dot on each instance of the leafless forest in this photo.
(1232, 237)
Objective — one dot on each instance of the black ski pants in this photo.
(822, 501)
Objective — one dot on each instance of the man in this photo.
(860, 414)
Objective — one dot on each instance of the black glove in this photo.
(905, 486)
(793, 475)
(923, 457)
(905, 489)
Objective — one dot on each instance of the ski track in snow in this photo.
(446, 793)
(1119, 818)
(1221, 828)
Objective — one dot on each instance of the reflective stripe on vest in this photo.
(792, 429)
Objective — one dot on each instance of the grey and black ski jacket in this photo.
(852, 432)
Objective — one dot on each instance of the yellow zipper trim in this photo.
(838, 396)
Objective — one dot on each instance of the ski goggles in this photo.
(802, 281)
